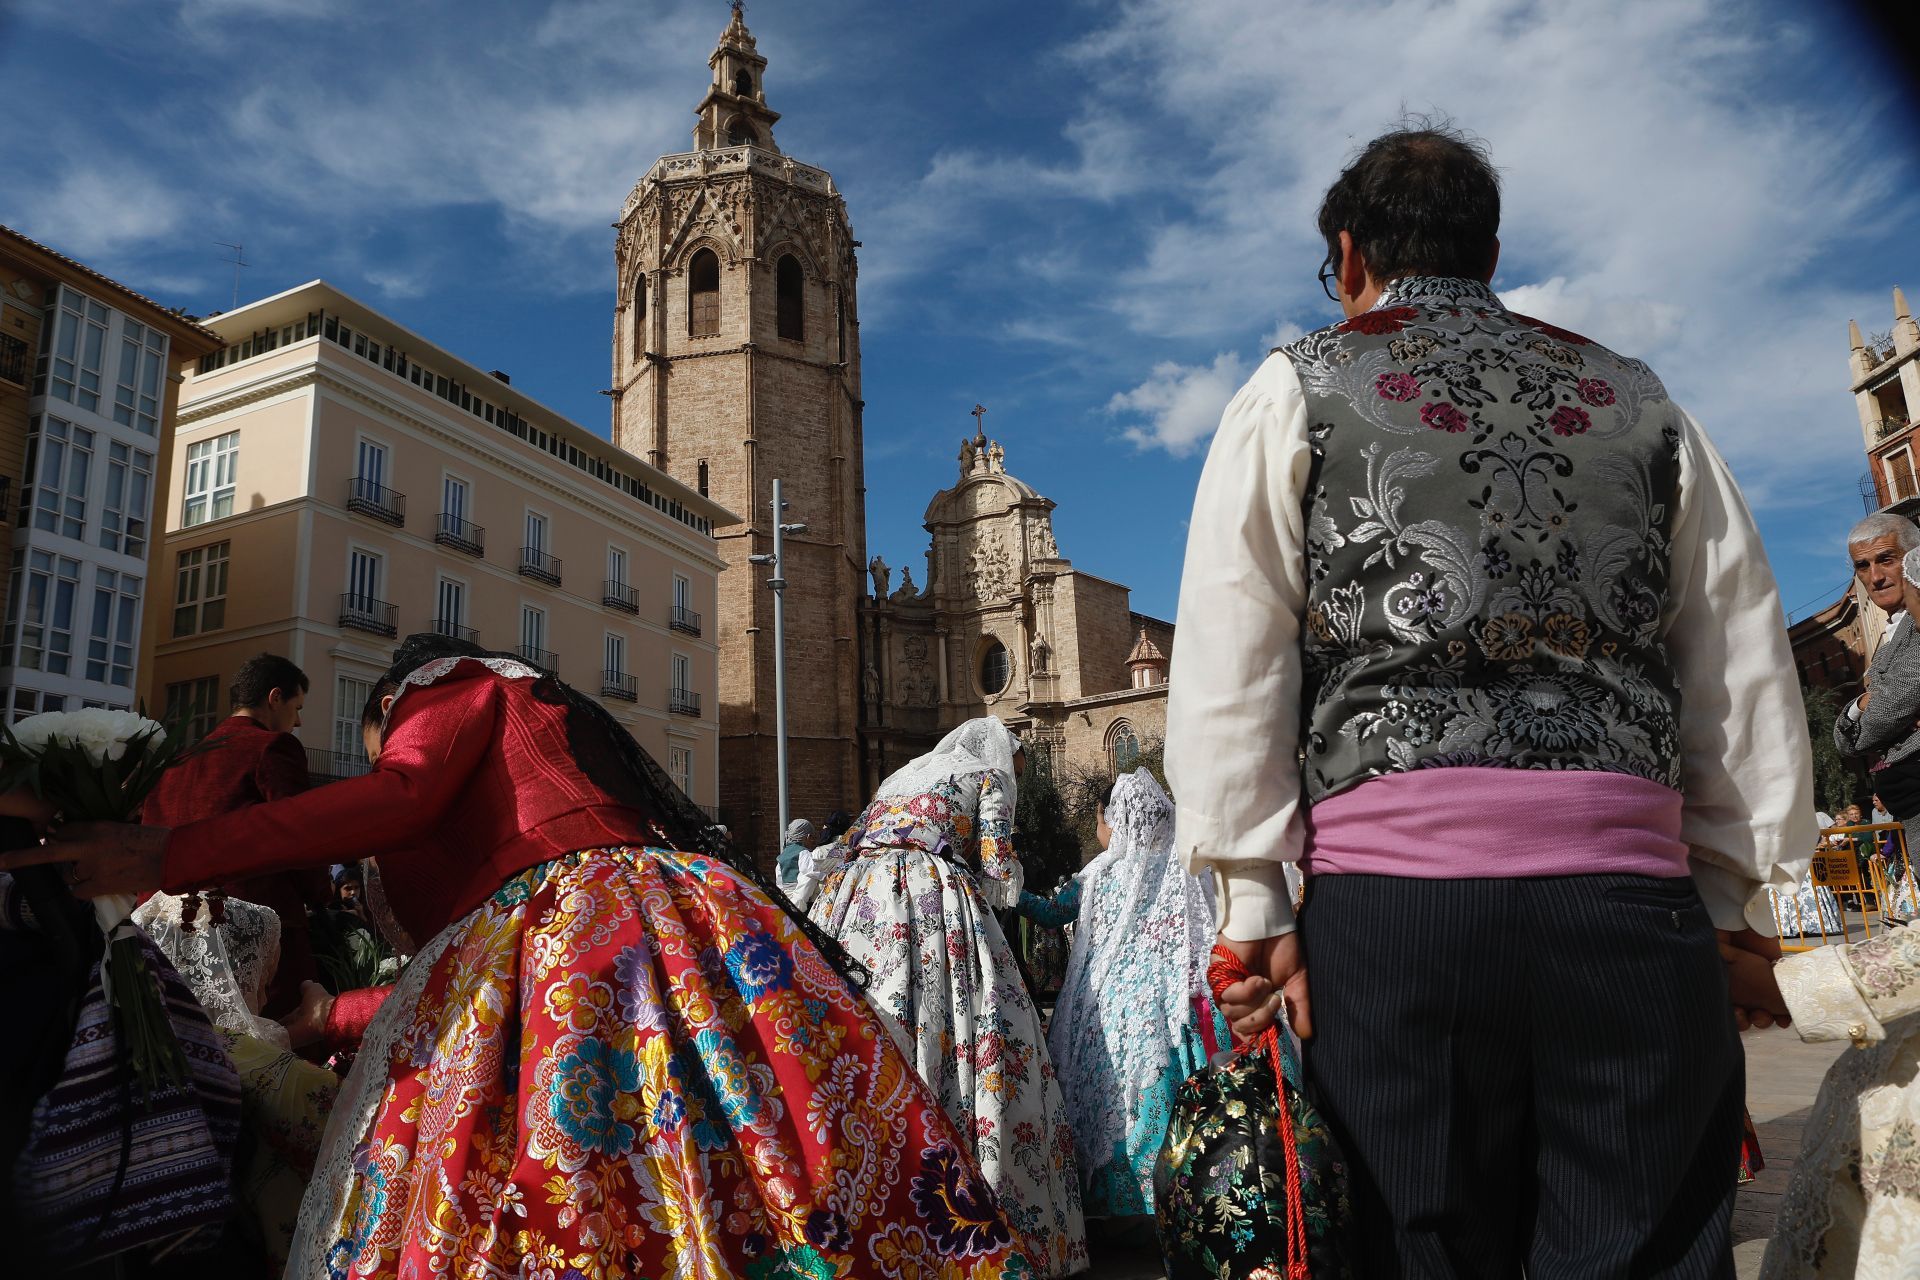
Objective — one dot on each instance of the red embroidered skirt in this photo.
(629, 1062)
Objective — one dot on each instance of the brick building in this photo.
(736, 362)
(88, 403)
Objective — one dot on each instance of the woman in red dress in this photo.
(616, 1056)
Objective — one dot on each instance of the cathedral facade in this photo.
(736, 361)
(1004, 625)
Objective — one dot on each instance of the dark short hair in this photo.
(1106, 795)
(371, 714)
(1423, 200)
(835, 826)
(262, 675)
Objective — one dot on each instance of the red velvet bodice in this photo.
(476, 781)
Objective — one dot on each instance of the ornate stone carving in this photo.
(882, 577)
(916, 648)
(906, 591)
(989, 568)
(1040, 543)
(966, 456)
(996, 459)
(870, 683)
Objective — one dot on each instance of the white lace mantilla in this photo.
(428, 672)
(227, 965)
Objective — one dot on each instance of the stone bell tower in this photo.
(736, 360)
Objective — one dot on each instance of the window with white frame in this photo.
(453, 504)
(682, 593)
(616, 654)
(350, 694)
(363, 578)
(44, 597)
(77, 350)
(451, 603)
(112, 638)
(617, 566)
(193, 707)
(371, 465)
(682, 674)
(123, 510)
(536, 533)
(60, 488)
(212, 466)
(680, 767)
(200, 589)
(143, 358)
(533, 631)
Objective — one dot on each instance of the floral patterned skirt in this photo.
(629, 1062)
(946, 983)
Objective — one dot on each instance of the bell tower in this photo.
(736, 360)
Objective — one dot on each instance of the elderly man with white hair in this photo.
(1877, 723)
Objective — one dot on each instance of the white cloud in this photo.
(95, 211)
(1178, 407)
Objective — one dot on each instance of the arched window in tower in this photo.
(743, 83)
(702, 479)
(703, 294)
(741, 134)
(1123, 748)
(790, 293)
(639, 313)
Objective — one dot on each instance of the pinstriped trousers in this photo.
(1529, 1076)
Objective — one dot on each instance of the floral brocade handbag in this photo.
(1247, 1188)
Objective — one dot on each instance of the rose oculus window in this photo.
(996, 669)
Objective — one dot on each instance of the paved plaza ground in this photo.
(1783, 1075)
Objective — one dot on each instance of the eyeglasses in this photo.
(1329, 272)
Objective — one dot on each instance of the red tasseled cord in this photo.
(1223, 970)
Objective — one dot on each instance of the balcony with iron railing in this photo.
(534, 656)
(460, 535)
(615, 594)
(683, 701)
(684, 619)
(1887, 428)
(332, 766)
(618, 684)
(535, 563)
(377, 501)
(450, 627)
(364, 613)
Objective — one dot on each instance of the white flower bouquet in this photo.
(100, 765)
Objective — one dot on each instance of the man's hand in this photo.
(1750, 958)
(105, 857)
(1279, 980)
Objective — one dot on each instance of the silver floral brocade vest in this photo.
(1487, 521)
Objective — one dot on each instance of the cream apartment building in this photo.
(340, 482)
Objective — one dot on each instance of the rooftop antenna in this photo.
(239, 260)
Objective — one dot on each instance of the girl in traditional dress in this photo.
(613, 1055)
(1134, 1017)
(910, 893)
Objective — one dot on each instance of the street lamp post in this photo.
(779, 584)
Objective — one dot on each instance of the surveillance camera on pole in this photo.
(779, 584)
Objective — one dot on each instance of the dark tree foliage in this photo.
(1043, 835)
(1837, 781)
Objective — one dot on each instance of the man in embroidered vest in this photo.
(1476, 626)
(251, 757)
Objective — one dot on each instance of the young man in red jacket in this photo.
(251, 757)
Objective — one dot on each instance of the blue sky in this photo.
(1092, 218)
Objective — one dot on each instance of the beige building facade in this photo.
(737, 362)
(1004, 625)
(88, 396)
(342, 482)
